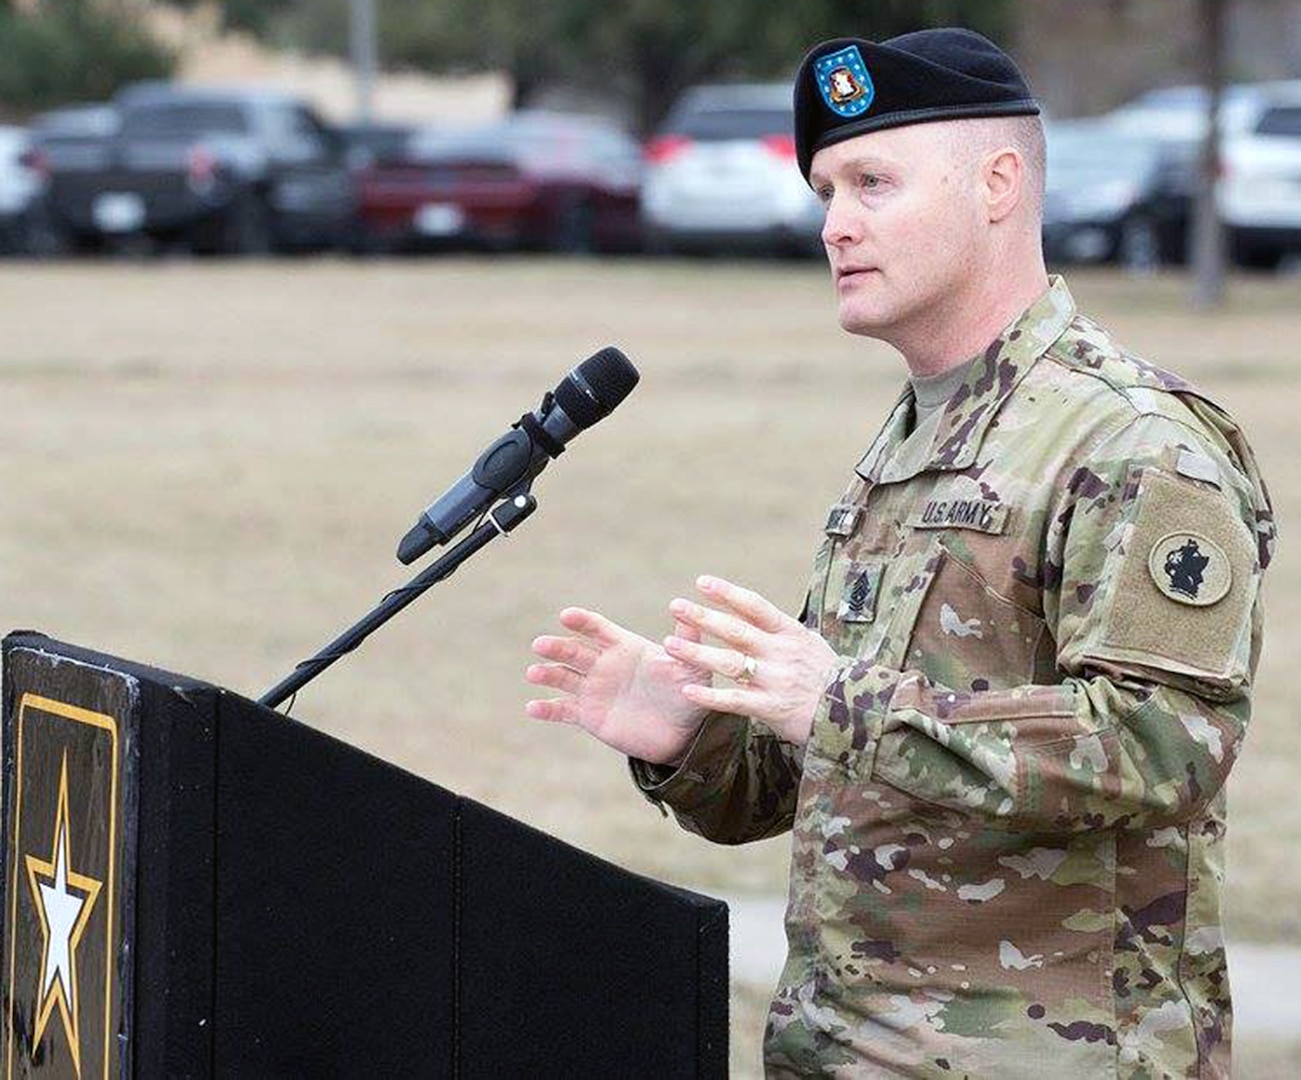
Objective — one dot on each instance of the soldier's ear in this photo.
(1002, 181)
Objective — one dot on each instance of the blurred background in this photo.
(274, 271)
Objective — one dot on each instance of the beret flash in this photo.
(847, 86)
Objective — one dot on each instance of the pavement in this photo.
(1266, 979)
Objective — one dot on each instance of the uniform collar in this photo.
(992, 378)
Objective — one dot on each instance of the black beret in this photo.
(847, 86)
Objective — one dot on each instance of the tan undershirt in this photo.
(931, 393)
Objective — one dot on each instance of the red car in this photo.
(537, 180)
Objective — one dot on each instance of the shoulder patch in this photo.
(1190, 569)
(1182, 596)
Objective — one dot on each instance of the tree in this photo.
(68, 50)
(1207, 230)
(260, 17)
(640, 53)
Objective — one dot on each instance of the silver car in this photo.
(721, 173)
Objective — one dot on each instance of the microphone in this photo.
(586, 395)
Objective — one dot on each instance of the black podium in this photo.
(197, 886)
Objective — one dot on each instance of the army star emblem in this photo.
(64, 901)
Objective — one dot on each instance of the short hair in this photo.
(1027, 135)
(971, 140)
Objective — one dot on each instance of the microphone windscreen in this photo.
(593, 389)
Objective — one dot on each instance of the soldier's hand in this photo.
(791, 665)
(620, 687)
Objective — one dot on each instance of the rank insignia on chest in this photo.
(858, 602)
(843, 519)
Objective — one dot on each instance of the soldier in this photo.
(1000, 731)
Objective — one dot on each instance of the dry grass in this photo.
(208, 467)
(1266, 1058)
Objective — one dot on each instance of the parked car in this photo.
(721, 173)
(1177, 114)
(231, 171)
(63, 141)
(371, 144)
(1109, 198)
(20, 189)
(1259, 195)
(538, 180)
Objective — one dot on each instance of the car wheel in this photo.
(246, 227)
(573, 232)
(1253, 254)
(1139, 247)
(657, 242)
(41, 238)
(804, 247)
(132, 245)
(362, 241)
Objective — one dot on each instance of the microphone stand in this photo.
(501, 520)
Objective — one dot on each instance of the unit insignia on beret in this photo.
(845, 84)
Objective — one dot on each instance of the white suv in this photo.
(722, 172)
(1260, 189)
(1259, 194)
(20, 186)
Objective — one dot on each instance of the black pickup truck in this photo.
(225, 171)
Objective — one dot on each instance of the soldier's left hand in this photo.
(791, 665)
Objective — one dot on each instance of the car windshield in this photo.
(491, 144)
(1080, 158)
(529, 142)
(185, 118)
(1281, 120)
(715, 125)
(381, 143)
(90, 122)
(1189, 98)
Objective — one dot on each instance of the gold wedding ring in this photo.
(749, 668)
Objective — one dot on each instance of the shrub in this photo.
(71, 50)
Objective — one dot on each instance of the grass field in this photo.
(208, 467)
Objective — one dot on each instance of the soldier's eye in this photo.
(870, 181)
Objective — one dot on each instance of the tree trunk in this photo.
(527, 80)
(1208, 231)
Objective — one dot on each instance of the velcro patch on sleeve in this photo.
(1197, 467)
(1182, 599)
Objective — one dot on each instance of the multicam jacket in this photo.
(1009, 817)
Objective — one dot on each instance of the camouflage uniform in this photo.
(1009, 817)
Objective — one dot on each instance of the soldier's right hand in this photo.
(619, 686)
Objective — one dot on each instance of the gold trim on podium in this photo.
(46, 1002)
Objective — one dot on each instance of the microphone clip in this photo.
(532, 427)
